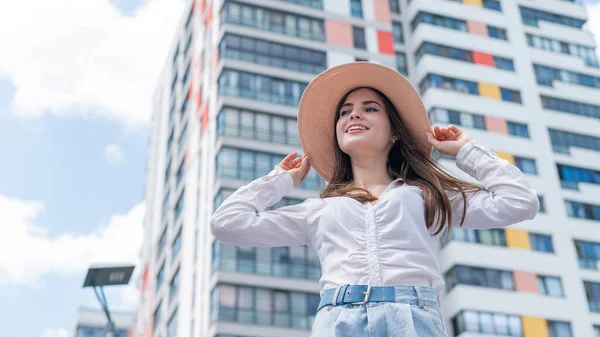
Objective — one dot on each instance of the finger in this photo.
(288, 158)
(448, 133)
(294, 162)
(305, 167)
(457, 132)
(438, 133)
(432, 139)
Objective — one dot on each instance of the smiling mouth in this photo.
(356, 129)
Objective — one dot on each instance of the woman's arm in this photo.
(242, 220)
(507, 197)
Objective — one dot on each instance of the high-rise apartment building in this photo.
(520, 76)
(92, 323)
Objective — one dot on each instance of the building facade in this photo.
(520, 76)
(92, 323)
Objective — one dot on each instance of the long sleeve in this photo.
(242, 220)
(507, 197)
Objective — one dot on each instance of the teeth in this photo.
(356, 127)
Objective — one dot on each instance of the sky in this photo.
(76, 83)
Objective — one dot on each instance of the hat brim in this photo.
(322, 95)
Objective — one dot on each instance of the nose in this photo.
(355, 114)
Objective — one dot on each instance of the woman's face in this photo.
(363, 127)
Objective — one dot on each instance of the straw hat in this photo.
(317, 108)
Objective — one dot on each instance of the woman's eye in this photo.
(344, 113)
(371, 109)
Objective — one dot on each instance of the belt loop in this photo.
(419, 296)
(335, 296)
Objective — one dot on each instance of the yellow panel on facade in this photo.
(516, 238)
(489, 90)
(478, 3)
(534, 327)
(509, 157)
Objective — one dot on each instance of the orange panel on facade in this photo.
(483, 58)
(386, 42)
(382, 11)
(495, 124)
(476, 27)
(338, 33)
(525, 281)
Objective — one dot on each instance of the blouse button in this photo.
(425, 308)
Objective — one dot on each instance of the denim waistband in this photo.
(417, 295)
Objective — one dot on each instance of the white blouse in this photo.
(384, 243)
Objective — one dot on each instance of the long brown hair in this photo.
(408, 161)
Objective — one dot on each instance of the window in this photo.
(559, 329)
(263, 306)
(395, 6)
(588, 254)
(550, 286)
(272, 53)
(526, 165)
(463, 55)
(487, 323)
(531, 17)
(438, 20)
(401, 65)
(492, 4)
(162, 242)
(260, 87)
(180, 173)
(274, 21)
(572, 107)
(582, 210)
(172, 325)
(291, 262)
(497, 33)
(596, 330)
(547, 75)
(174, 286)
(179, 205)
(160, 276)
(571, 176)
(483, 277)
(587, 54)
(176, 247)
(356, 8)
(493, 237)
(397, 32)
(563, 140)
(518, 129)
(238, 164)
(542, 204)
(157, 315)
(541, 242)
(358, 34)
(165, 205)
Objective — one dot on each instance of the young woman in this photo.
(375, 226)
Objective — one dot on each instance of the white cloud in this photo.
(51, 332)
(84, 57)
(114, 154)
(27, 253)
(594, 23)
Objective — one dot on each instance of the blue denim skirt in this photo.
(415, 313)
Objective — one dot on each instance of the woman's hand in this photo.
(298, 168)
(447, 140)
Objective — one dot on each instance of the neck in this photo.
(370, 172)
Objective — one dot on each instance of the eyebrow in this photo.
(364, 103)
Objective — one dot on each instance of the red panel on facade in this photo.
(386, 42)
(205, 118)
(144, 280)
(483, 58)
(209, 15)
